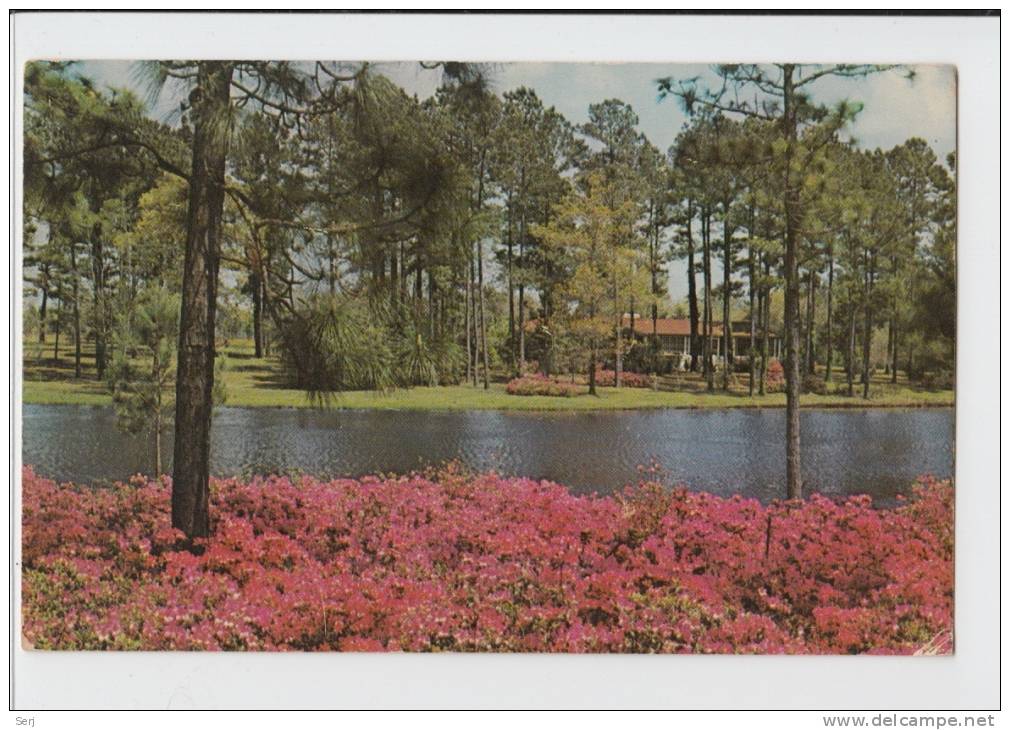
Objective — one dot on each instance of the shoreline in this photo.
(537, 410)
(463, 398)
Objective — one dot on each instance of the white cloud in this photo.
(896, 108)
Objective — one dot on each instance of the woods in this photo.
(372, 240)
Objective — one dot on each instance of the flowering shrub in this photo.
(775, 377)
(483, 563)
(539, 384)
(628, 379)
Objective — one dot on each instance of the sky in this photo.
(894, 108)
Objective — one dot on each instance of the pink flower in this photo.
(484, 563)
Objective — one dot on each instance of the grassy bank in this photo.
(257, 382)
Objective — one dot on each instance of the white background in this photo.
(969, 680)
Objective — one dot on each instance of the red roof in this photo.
(668, 326)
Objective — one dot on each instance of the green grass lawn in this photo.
(256, 382)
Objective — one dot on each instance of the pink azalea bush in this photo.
(775, 377)
(540, 384)
(628, 379)
(483, 563)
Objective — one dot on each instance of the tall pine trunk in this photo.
(480, 270)
(692, 292)
(195, 376)
(474, 333)
(41, 314)
(766, 315)
(830, 345)
(727, 295)
(100, 315)
(480, 297)
(894, 352)
(157, 444)
(811, 318)
(256, 285)
(751, 355)
(77, 312)
(511, 286)
(522, 293)
(867, 328)
(157, 377)
(850, 347)
(467, 295)
(618, 362)
(791, 200)
(706, 263)
(56, 331)
(655, 325)
(654, 290)
(547, 304)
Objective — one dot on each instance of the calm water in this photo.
(879, 452)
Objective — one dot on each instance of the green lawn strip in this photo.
(256, 382)
(462, 397)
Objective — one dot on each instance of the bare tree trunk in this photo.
(195, 376)
(850, 349)
(547, 305)
(522, 295)
(511, 285)
(631, 330)
(890, 345)
(394, 276)
(480, 296)
(867, 330)
(765, 326)
(156, 372)
(707, 300)
(99, 316)
(257, 301)
(431, 304)
(468, 295)
(654, 290)
(751, 355)
(894, 354)
(727, 296)
(157, 446)
(56, 331)
(692, 292)
(811, 322)
(474, 326)
(77, 313)
(264, 300)
(830, 353)
(42, 314)
(592, 367)
(618, 361)
(403, 273)
(794, 479)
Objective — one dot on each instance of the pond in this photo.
(874, 451)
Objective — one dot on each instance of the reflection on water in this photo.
(879, 452)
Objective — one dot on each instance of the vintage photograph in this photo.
(447, 356)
